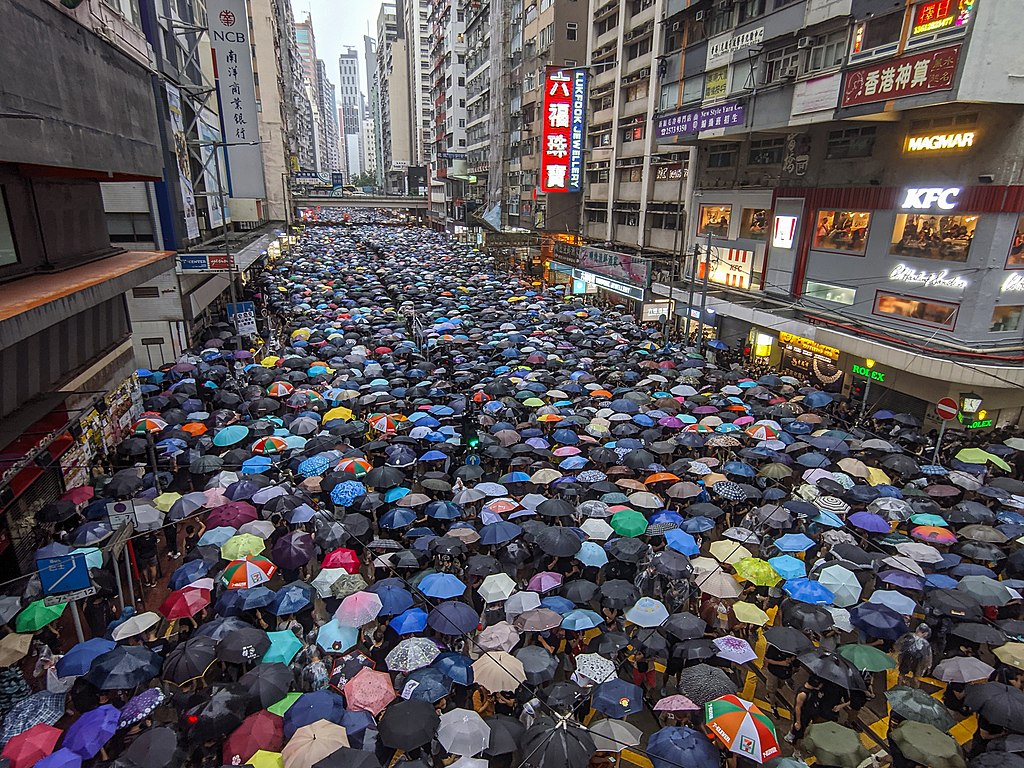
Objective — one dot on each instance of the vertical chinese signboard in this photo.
(565, 100)
(236, 93)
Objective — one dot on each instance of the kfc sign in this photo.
(926, 198)
(565, 94)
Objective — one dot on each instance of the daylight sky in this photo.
(338, 24)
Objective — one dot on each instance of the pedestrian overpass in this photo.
(413, 205)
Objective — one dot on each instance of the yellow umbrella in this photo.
(14, 647)
(264, 759)
(270, 361)
(338, 413)
(878, 477)
(757, 571)
(979, 456)
(241, 545)
(165, 501)
(725, 551)
(1011, 653)
(748, 613)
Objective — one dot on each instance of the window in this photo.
(635, 131)
(637, 91)
(571, 30)
(837, 294)
(722, 156)
(938, 314)
(595, 213)
(827, 51)
(633, 174)
(754, 223)
(597, 175)
(1015, 260)
(933, 16)
(627, 214)
(766, 151)
(876, 32)
(928, 236)
(665, 216)
(640, 48)
(842, 231)
(714, 219)
(547, 36)
(781, 63)
(750, 9)
(720, 21)
(8, 249)
(130, 227)
(1006, 318)
(850, 142)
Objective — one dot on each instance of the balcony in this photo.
(629, 190)
(664, 239)
(608, 37)
(667, 191)
(635, 107)
(626, 235)
(595, 230)
(633, 148)
(597, 191)
(603, 116)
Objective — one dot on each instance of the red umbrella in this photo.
(29, 747)
(370, 690)
(262, 730)
(234, 514)
(79, 494)
(342, 558)
(184, 603)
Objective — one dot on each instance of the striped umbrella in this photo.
(280, 389)
(149, 426)
(357, 467)
(742, 727)
(247, 572)
(382, 423)
(269, 445)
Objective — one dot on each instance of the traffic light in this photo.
(470, 437)
(857, 390)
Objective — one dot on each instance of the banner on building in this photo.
(621, 266)
(209, 135)
(565, 109)
(188, 198)
(693, 120)
(236, 94)
(905, 76)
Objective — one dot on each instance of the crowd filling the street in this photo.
(441, 515)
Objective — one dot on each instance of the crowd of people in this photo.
(446, 519)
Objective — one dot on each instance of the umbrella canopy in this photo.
(742, 727)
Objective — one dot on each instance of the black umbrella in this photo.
(243, 645)
(788, 640)
(153, 748)
(565, 696)
(57, 511)
(267, 683)
(506, 735)
(556, 508)
(580, 591)
(539, 665)
(1000, 704)
(977, 632)
(190, 660)
(482, 565)
(952, 603)
(697, 649)
(383, 477)
(672, 564)
(627, 550)
(685, 626)
(832, 668)
(123, 667)
(804, 616)
(408, 724)
(215, 718)
(558, 743)
(702, 683)
(347, 757)
(618, 594)
(608, 643)
(559, 542)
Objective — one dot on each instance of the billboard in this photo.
(565, 109)
(236, 94)
(905, 76)
(693, 120)
(209, 135)
(188, 197)
(621, 266)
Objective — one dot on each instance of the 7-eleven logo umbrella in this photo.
(382, 423)
(250, 571)
(144, 426)
(269, 445)
(742, 727)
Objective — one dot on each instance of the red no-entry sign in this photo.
(947, 408)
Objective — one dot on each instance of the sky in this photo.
(338, 24)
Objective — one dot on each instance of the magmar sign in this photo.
(565, 109)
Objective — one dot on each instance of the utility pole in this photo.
(703, 297)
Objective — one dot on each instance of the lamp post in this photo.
(869, 364)
(970, 403)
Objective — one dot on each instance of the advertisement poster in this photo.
(188, 198)
(208, 134)
(621, 266)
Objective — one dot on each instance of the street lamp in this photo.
(970, 403)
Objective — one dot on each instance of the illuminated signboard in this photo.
(784, 231)
(925, 198)
(809, 344)
(940, 142)
(565, 94)
(896, 78)
(868, 373)
(940, 14)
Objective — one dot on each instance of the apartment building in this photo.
(351, 104)
(449, 177)
(413, 20)
(392, 120)
(479, 56)
(327, 97)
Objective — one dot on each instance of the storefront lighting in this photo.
(869, 363)
(763, 345)
(970, 403)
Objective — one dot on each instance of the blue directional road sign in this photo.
(241, 306)
(66, 573)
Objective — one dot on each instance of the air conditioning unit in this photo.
(678, 25)
(645, 72)
(805, 42)
(791, 73)
(699, 16)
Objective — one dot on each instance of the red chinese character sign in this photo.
(565, 99)
(905, 76)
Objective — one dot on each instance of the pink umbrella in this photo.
(358, 609)
(675, 703)
(370, 690)
(545, 581)
(671, 422)
(734, 649)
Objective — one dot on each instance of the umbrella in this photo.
(312, 743)
(259, 731)
(452, 618)
(674, 746)
(867, 658)
(505, 736)
(538, 665)
(36, 615)
(218, 715)
(313, 707)
(463, 732)
(615, 735)
(833, 668)
(915, 704)
(242, 645)
(140, 707)
(31, 745)
(702, 683)
(498, 671)
(557, 744)
(834, 745)
(926, 745)
(358, 609)
(190, 660)
(742, 727)
(267, 683)
(407, 725)
(124, 667)
(79, 659)
(1000, 704)
(283, 647)
(412, 653)
(369, 690)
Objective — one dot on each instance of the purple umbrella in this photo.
(870, 522)
(902, 579)
(90, 732)
(293, 550)
(233, 515)
(140, 707)
(62, 758)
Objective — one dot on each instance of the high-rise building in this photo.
(479, 73)
(413, 19)
(305, 43)
(329, 114)
(392, 122)
(350, 102)
(449, 178)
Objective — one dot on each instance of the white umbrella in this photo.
(135, 625)
(899, 602)
(521, 602)
(412, 653)
(463, 732)
(597, 529)
(498, 637)
(901, 563)
(595, 668)
(496, 587)
(734, 649)
(647, 612)
(841, 618)
(358, 609)
(842, 583)
(261, 528)
(720, 584)
(323, 581)
(919, 552)
(612, 735)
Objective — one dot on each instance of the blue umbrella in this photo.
(431, 684)
(788, 567)
(344, 494)
(355, 724)
(878, 621)
(91, 533)
(591, 553)
(335, 637)
(77, 661)
(870, 522)
(581, 620)
(456, 667)
(674, 747)
(314, 466)
(397, 517)
(451, 618)
(443, 586)
(409, 622)
(807, 591)
(817, 399)
(216, 536)
(794, 542)
(558, 604)
(443, 510)
(301, 514)
(681, 541)
(617, 698)
(62, 758)
(91, 731)
(255, 597)
(310, 707)
(499, 532)
(698, 524)
(236, 433)
(290, 599)
(393, 599)
(188, 572)
(256, 465)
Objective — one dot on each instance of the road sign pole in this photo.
(128, 571)
(117, 580)
(78, 621)
(938, 442)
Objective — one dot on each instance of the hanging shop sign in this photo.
(600, 281)
(806, 357)
(784, 232)
(716, 84)
(901, 273)
(693, 120)
(929, 198)
(940, 142)
(905, 76)
(941, 14)
(204, 262)
(619, 266)
(565, 95)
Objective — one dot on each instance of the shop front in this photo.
(797, 356)
(738, 223)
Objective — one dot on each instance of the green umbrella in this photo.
(867, 658)
(36, 616)
(927, 745)
(981, 456)
(914, 704)
(832, 744)
(282, 706)
(283, 647)
(629, 523)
